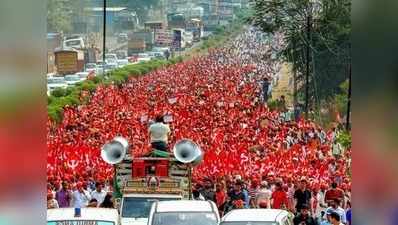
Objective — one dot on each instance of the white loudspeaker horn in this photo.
(187, 151)
(114, 151)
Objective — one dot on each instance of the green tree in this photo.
(141, 7)
(59, 17)
(329, 40)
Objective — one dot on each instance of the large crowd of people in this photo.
(253, 157)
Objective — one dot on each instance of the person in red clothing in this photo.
(334, 193)
(220, 197)
(279, 197)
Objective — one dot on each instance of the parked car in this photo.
(91, 67)
(122, 62)
(184, 212)
(111, 65)
(83, 75)
(100, 69)
(257, 217)
(143, 57)
(110, 56)
(156, 55)
(72, 79)
(55, 82)
(100, 216)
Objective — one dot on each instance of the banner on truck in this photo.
(163, 37)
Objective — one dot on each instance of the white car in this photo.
(72, 79)
(189, 212)
(91, 67)
(135, 208)
(143, 57)
(257, 217)
(122, 62)
(100, 216)
(55, 82)
(111, 65)
(157, 55)
(110, 56)
(83, 75)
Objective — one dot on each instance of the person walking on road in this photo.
(302, 196)
(304, 217)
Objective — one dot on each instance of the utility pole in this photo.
(307, 76)
(104, 37)
(347, 124)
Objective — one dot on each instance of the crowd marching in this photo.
(254, 157)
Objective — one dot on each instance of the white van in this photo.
(184, 212)
(88, 216)
(257, 217)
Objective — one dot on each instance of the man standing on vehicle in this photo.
(63, 196)
(80, 197)
(159, 132)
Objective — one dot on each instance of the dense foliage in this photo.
(328, 40)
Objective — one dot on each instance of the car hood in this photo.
(134, 221)
(57, 85)
(72, 81)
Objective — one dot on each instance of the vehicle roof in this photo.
(71, 75)
(184, 206)
(74, 39)
(152, 196)
(270, 215)
(86, 214)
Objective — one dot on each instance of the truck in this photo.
(68, 61)
(176, 20)
(179, 39)
(195, 26)
(155, 176)
(135, 45)
(152, 179)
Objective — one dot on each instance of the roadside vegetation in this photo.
(81, 92)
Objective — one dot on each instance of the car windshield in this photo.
(55, 81)
(248, 223)
(143, 55)
(139, 207)
(90, 66)
(83, 75)
(73, 43)
(185, 218)
(80, 222)
(72, 78)
(110, 56)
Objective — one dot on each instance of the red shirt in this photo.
(280, 198)
(220, 198)
(334, 194)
